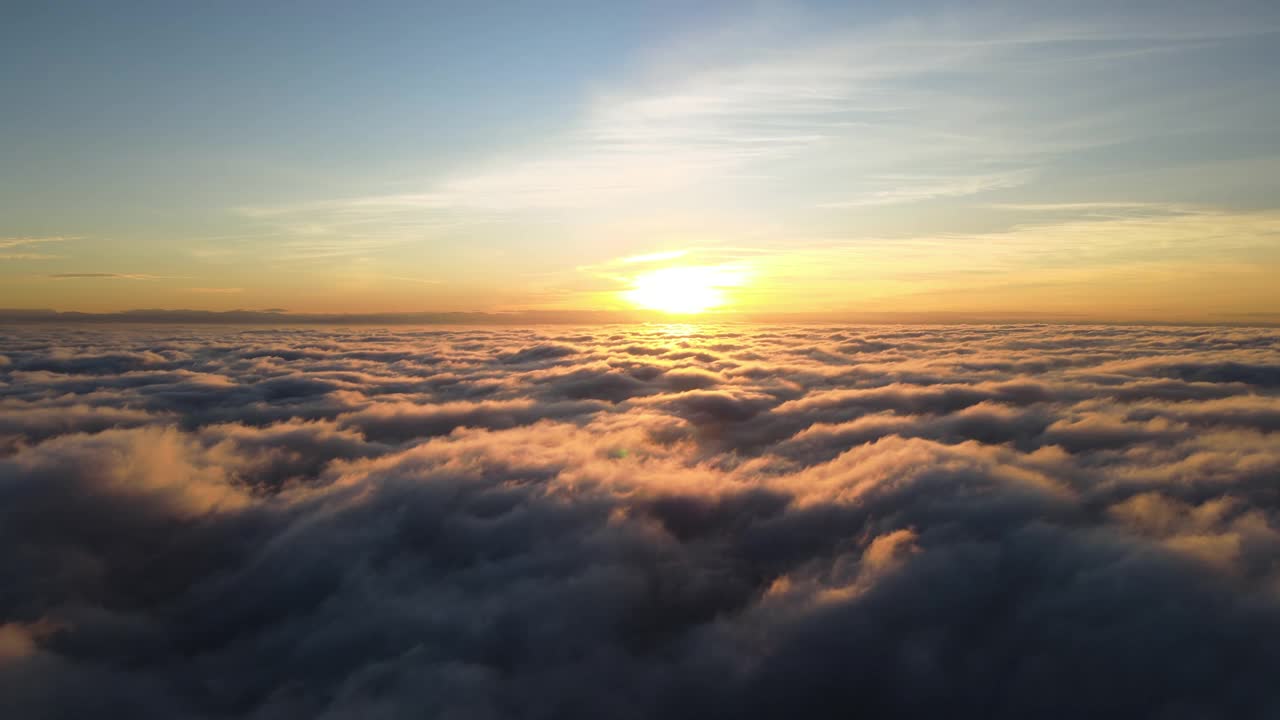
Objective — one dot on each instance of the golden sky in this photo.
(1113, 162)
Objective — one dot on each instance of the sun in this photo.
(683, 290)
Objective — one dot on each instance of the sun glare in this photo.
(683, 290)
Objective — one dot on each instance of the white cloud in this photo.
(785, 124)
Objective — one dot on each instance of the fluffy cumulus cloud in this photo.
(636, 522)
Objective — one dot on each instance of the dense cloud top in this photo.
(634, 522)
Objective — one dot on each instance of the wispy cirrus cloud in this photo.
(14, 242)
(19, 246)
(775, 136)
(900, 189)
(864, 104)
(27, 256)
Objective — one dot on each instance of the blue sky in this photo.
(487, 156)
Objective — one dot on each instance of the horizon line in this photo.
(277, 316)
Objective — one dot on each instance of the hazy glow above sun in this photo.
(683, 290)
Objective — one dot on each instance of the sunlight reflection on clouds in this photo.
(981, 521)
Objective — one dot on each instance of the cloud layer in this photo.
(630, 521)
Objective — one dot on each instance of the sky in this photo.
(1113, 161)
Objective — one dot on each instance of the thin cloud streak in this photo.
(14, 242)
(700, 124)
(103, 276)
(909, 189)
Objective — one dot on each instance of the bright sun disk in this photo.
(683, 290)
